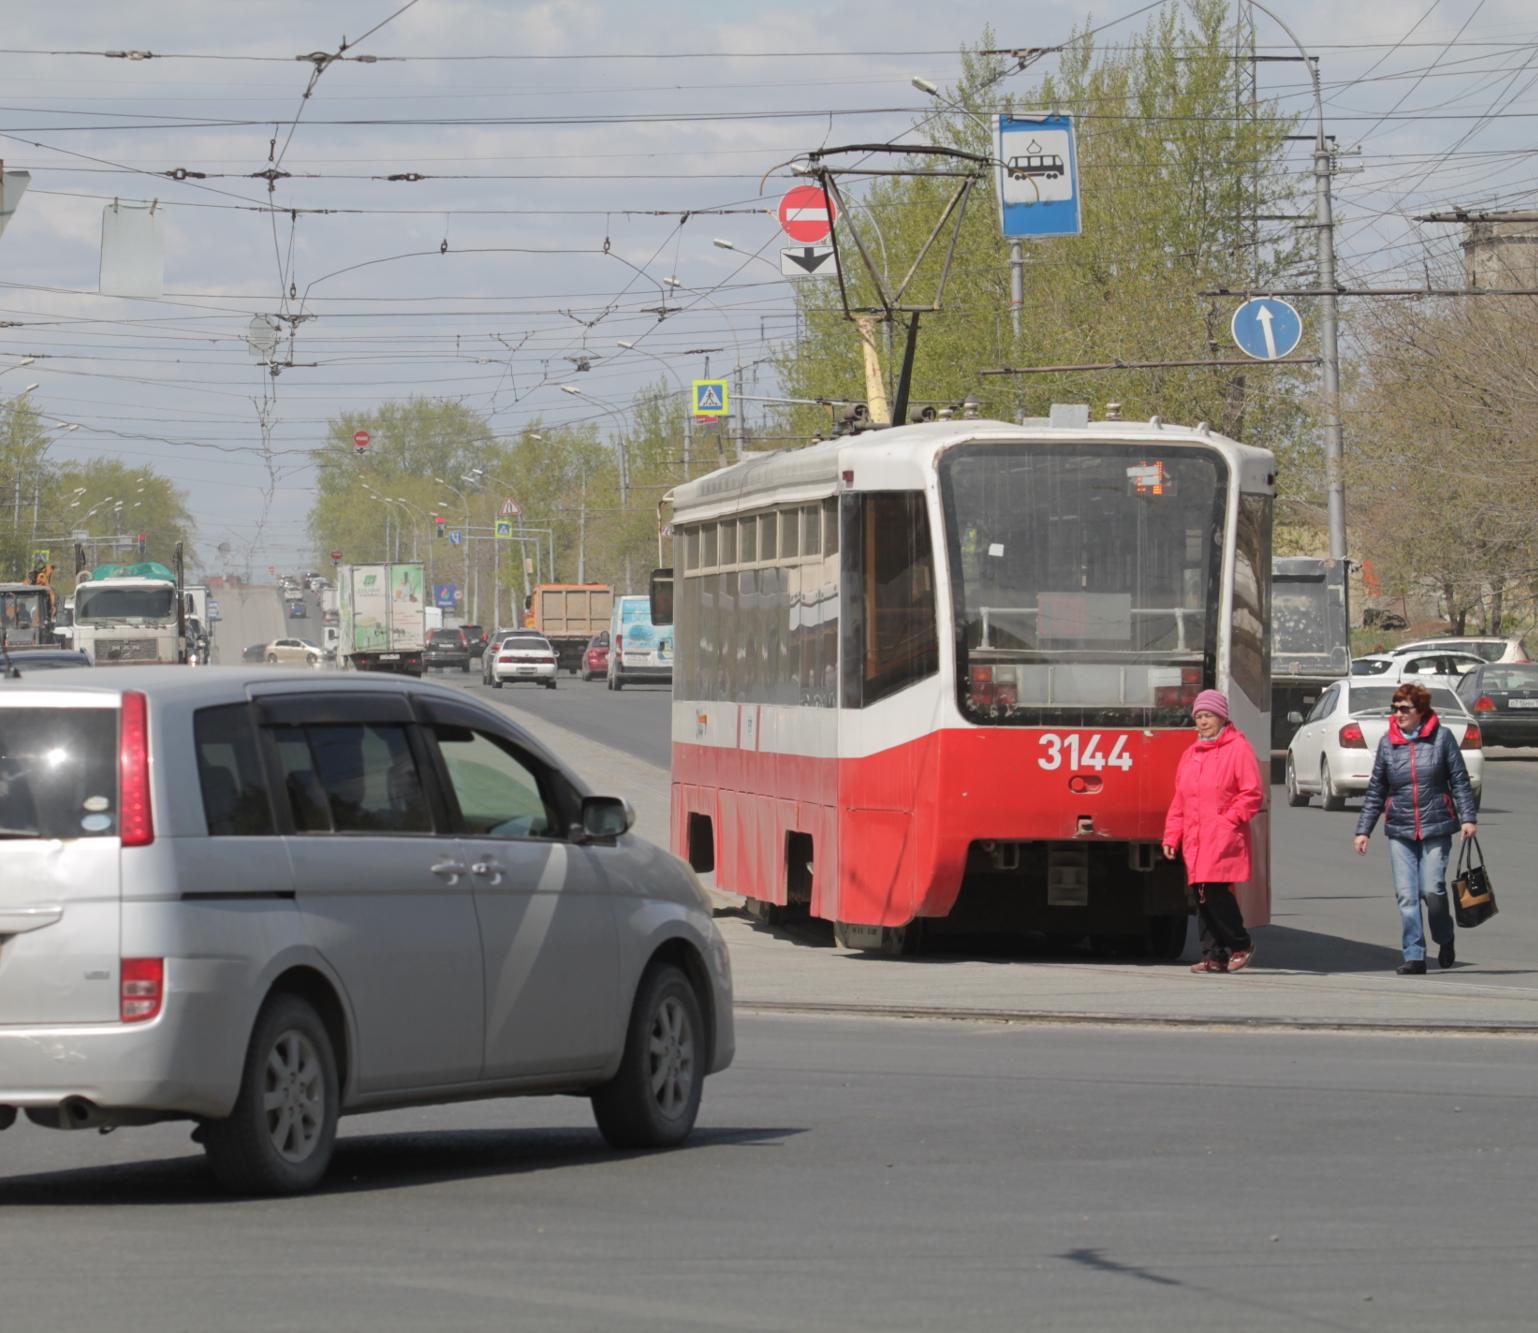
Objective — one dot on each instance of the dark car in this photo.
(595, 657)
(477, 637)
(447, 648)
(257, 652)
(296, 609)
(29, 660)
(1503, 696)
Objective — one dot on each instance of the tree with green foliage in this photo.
(1173, 173)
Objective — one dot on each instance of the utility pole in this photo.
(875, 386)
(582, 534)
(1016, 285)
(1329, 347)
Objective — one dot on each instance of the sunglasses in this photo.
(1401, 708)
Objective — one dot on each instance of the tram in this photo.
(940, 676)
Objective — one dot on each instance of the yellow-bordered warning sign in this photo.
(710, 398)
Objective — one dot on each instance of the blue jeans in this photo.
(1420, 871)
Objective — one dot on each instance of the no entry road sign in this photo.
(807, 214)
(360, 440)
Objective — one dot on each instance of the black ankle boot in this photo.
(1447, 955)
(1416, 967)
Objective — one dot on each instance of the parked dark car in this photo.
(1503, 696)
(595, 657)
(477, 637)
(447, 648)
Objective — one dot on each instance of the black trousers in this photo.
(1222, 924)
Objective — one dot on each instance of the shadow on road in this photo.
(363, 1163)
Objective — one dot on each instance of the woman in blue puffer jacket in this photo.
(1420, 780)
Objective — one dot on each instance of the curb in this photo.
(1063, 1018)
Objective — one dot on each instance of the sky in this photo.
(580, 159)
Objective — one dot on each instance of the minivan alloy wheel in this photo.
(294, 1097)
(671, 1051)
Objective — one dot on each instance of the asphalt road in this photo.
(635, 720)
(850, 1175)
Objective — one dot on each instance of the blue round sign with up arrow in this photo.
(1267, 328)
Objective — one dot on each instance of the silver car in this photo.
(257, 900)
(1331, 754)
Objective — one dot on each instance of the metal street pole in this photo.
(465, 590)
(1329, 346)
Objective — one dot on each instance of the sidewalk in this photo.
(1301, 980)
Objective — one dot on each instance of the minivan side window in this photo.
(500, 794)
(234, 789)
(351, 777)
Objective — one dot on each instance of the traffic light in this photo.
(143, 542)
(440, 524)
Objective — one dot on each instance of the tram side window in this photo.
(890, 637)
(1250, 649)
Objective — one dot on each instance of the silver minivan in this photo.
(258, 900)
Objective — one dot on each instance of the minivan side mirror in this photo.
(606, 817)
(1295, 717)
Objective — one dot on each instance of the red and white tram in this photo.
(944, 672)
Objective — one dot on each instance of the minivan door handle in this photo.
(449, 870)
(487, 869)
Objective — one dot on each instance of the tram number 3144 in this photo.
(1083, 752)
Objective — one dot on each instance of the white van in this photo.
(638, 649)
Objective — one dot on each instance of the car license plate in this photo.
(389, 657)
(528, 671)
(1524, 703)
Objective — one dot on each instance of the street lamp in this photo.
(624, 457)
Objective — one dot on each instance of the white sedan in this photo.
(521, 655)
(1331, 755)
(294, 652)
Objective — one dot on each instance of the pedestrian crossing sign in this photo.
(710, 398)
(504, 529)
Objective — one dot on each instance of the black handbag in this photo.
(1472, 893)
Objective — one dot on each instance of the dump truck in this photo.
(381, 617)
(131, 615)
(569, 614)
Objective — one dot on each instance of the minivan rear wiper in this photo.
(21, 833)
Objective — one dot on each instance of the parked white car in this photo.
(1427, 668)
(1331, 754)
(257, 900)
(1488, 648)
(520, 655)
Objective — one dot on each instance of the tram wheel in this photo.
(1167, 935)
(765, 913)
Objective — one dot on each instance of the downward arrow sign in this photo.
(1263, 317)
(810, 259)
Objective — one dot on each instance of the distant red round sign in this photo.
(335, 556)
(360, 439)
(807, 214)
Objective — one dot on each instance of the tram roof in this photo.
(806, 472)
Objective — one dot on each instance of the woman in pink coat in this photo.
(1217, 793)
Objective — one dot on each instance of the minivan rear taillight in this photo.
(142, 989)
(136, 822)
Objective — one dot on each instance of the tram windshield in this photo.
(1085, 580)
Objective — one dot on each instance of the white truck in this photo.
(131, 614)
(381, 621)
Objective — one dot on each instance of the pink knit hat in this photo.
(1211, 701)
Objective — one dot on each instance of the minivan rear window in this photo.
(58, 773)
